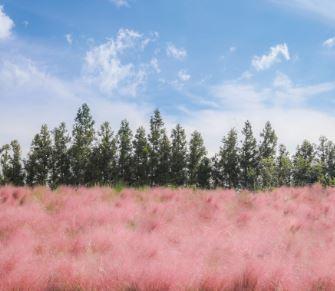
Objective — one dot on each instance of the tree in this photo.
(38, 164)
(60, 165)
(141, 158)
(178, 156)
(267, 173)
(197, 152)
(325, 158)
(124, 146)
(267, 158)
(249, 159)
(103, 158)
(267, 148)
(164, 162)
(5, 165)
(204, 173)
(216, 172)
(283, 167)
(80, 152)
(304, 165)
(155, 143)
(229, 160)
(11, 164)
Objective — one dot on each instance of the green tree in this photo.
(178, 156)
(305, 171)
(216, 173)
(267, 173)
(325, 157)
(103, 158)
(60, 160)
(124, 146)
(5, 165)
(248, 158)
(268, 146)
(80, 152)
(141, 158)
(197, 152)
(283, 167)
(11, 164)
(229, 160)
(164, 162)
(204, 173)
(38, 164)
(155, 143)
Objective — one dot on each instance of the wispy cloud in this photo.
(261, 63)
(177, 53)
(184, 76)
(322, 8)
(69, 38)
(6, 25)
(283, 93)
(120, 3)
(329, 43)
(104, 66)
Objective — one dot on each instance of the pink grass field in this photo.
(165, 239)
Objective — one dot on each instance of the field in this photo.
(167, 239)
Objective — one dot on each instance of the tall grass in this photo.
(166, 239)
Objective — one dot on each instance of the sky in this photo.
(209, 65)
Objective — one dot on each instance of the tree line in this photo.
(87, 158)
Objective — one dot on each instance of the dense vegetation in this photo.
(153, 239)
(87, 157)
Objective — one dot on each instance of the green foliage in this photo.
(11, 164)
(229, 160)
(141, 158)
(267, 148)
(197, 152)
(216, 171)
(178, 156)
(204, 174)
(102, 167)
(124, 146)
(80, 152)
(155, 146)
(38, 164)
(283, 167)
(305, 169)
(60, 160)
(164, 165)
(248, 158)
(267, 171)
(86, 159)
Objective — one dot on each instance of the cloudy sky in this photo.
(210, 65)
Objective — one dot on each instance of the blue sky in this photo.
(207, 64)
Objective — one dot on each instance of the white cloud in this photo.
(6, 25)
(232, 49)
(288, 94)
(324, 9)
(104, 66)
(29, 97)
(329, 42)
(184, 76)
(283, 93)
(120, 3)
(69, 38)
(155, 64)
(235, 95)
(174, 52)
(266, 61)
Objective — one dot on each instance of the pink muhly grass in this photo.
(164, 239)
